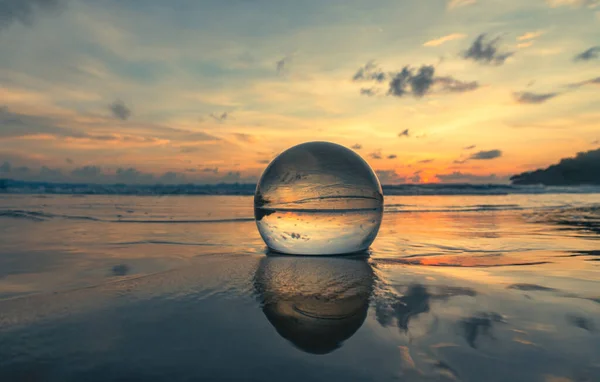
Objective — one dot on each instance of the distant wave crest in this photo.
(24, 187)
(586, 218)
(45, 216)
(473, 208)
(40, 216)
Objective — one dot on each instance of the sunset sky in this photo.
(145, 91)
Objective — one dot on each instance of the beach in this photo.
(454, 288)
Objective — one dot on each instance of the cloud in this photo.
(370, 72)
(587, 55)
(470, 147)
(486, 155)
(220, 117)
(452, 85)
(584, 168)
(22, 170)
(424, 161)
(181, 135)
(87, 172)
(410, 81)
(357, 147)
(376, 154)
(486, 52)
(214, 170)
(92, 174)
(460, 177)
(369, 92)
(282, 65)
(44, 174)
(480, 155)
(172, 177)
(5, 168)
(416, 178)
(232, 176)
(423, 81)
(400, 82)
(533, 98)
(245, 137)
(47, 173)
(530, 35)
(389, 177)
(405, 133)
(573, 3)
(444, 39)
(525, 44)
(132, 175)
(392, 156)
(189, 149)
(120, 110)
(20, 125)
(407, 82)
(23, 11)
(593, 81)
(453, 4)
(16, 125)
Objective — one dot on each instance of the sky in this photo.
(206, 91)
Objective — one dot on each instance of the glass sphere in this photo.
(318, 198)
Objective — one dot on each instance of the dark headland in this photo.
(583, 169)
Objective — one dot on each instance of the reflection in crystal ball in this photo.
(318, 198)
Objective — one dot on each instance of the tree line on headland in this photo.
(583, 169)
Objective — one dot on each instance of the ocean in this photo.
(464, 283)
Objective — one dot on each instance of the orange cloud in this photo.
(444, 39)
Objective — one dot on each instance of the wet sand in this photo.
(469, 288)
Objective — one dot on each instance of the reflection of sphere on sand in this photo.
(315, 303)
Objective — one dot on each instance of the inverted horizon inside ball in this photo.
(318, 198)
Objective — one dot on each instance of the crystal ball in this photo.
(318, 198)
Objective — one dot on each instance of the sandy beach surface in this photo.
(181, 288)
